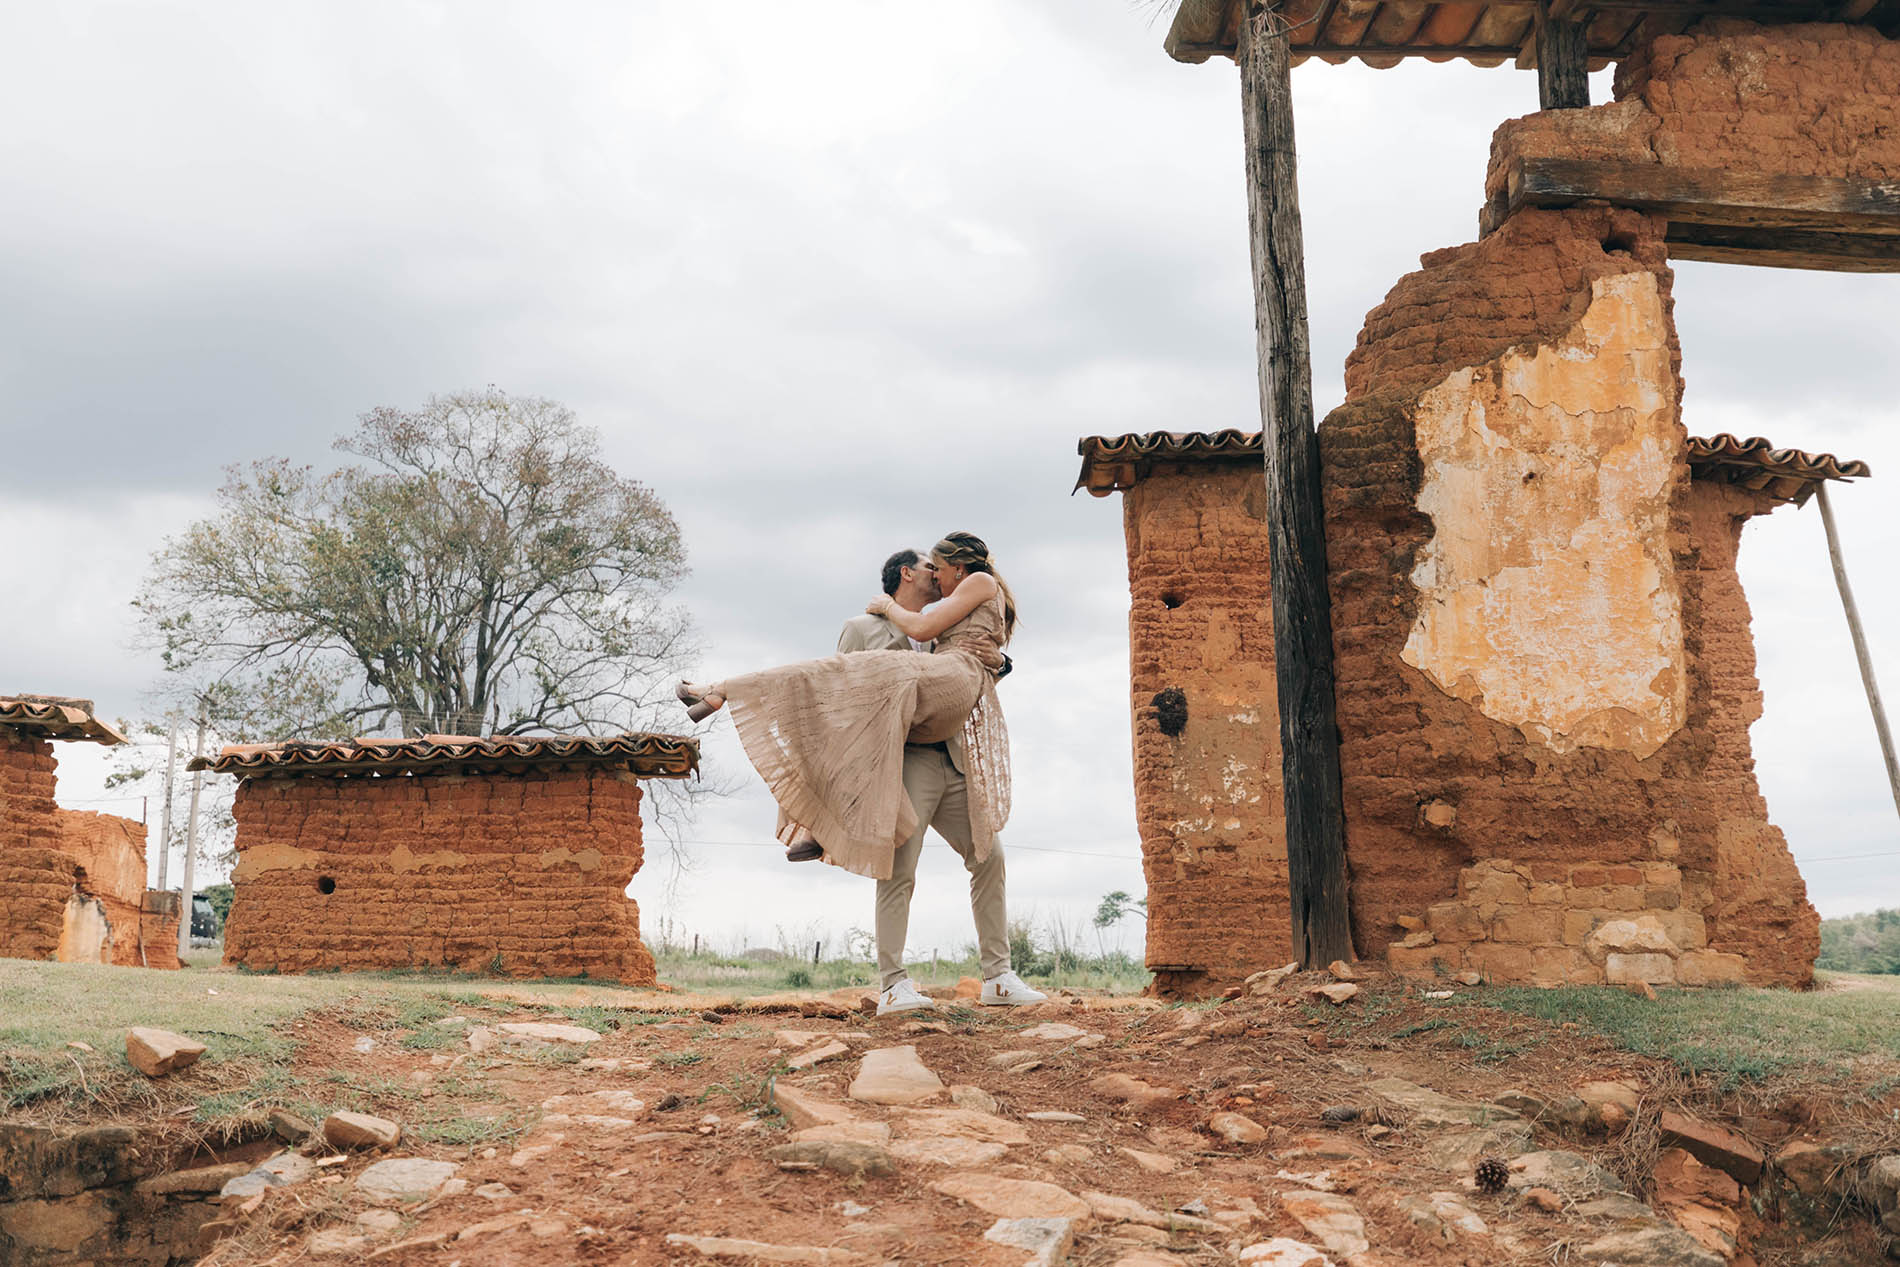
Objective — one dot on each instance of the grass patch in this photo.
(678, 1059)
(1735, 1035)
(721, 973)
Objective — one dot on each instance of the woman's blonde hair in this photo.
(967, 551)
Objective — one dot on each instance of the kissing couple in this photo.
(899, 732)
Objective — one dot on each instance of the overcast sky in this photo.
(833, 279)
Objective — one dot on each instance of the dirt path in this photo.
(1164, 1136)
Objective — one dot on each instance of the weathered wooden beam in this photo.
(1861, 657)
(1302, 614)
(1785, 248)
(1563, 81)
(1733, 198)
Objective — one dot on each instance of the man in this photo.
(933, 779)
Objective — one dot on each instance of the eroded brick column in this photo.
(1544, 673)
(1206, 734)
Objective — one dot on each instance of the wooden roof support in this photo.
(1302, 614)
(1563, 81)
(1741, 217)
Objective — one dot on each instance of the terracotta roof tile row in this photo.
(650, 756)
(1112, 464)
(1785, 474)
(56, 717)
(1383, 33)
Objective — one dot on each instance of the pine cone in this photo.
(1492, 1174)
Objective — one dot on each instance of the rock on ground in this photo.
(894, 1075)
(1330, 1218)
(802, 1109)
(1658, 1246)
(1283, 1251)
(157, 1052)
(1237, 1128)
(1136, 1092)
(548, 1032)
(726, 1247)
(1013, 1198)
(839, 1156)
(359, 1130)
(1048, 1240)
(404, 1178)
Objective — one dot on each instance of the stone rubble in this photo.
(158, 1052)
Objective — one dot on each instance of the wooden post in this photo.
(1563, 79)
(1860, 642)
(1302, 615)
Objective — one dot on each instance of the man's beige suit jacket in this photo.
(866, 632)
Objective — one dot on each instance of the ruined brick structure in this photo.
(72, 884)
(1544, 672)
(507, 854)
(1207, 740)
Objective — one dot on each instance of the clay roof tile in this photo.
(56, 717)
(650, 756)
(1112, 464)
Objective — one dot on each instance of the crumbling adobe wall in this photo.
(1816, 99)
(1207, 797)
(72, 885)
(1542, 656)
(523, 874)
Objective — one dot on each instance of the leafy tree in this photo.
(1115, 906)
(480, 570)
(1861, 943)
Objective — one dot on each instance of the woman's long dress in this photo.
(828, 737)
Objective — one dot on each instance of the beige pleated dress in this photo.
(828, 737)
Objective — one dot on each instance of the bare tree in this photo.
(480, 571)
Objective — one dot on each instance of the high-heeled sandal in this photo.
(806, 850)
(697, 709)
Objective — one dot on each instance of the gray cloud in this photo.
(839, 280)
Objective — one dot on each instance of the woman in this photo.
(828, 735)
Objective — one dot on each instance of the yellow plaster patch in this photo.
(1549, 599)
(585, 859)
(402, 858)
(254, 860)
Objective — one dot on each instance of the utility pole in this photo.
(191, 836)
(165, 811)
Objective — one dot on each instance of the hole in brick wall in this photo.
(326, 884)
(1171, 710)
(1619, 244)
(1171, 600)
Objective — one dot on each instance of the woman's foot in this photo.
(701, 702)
(804, 849)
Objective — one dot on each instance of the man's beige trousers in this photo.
(941, 798)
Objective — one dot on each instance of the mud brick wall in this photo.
(1506, 504)
(158, 928)
(524, 874)
(1207, 798)
(1809, 100)
(27, 778)
(1817, 99)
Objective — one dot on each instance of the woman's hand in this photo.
(879, 606)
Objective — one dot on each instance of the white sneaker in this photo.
(1008, 990)
(902, 997)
